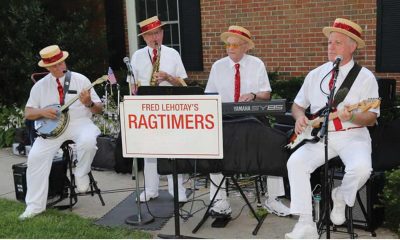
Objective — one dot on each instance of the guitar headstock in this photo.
(365, 105)
(100, 80)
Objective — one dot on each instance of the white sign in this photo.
(184, 126)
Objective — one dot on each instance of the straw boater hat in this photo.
(52, 55)
(150, 24)
(347, 27)
(240, 32)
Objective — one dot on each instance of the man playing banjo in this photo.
(51, 90)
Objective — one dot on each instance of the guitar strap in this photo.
(344, 89)
(67, 80)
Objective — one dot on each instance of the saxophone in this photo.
(156, 67)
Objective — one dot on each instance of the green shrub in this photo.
(10, 118)
(391, 200)
(287, 89)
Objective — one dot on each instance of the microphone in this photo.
(337, 61)
(130, 72)
(128, 65)
(126, 60)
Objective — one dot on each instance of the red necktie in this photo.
(154, 55)
(237, 82)
(60, 91)
(336, 122)
(331, 81)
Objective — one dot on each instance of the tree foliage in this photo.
(27, 27)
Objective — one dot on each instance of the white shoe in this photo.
(146, 196)
(221, 207)
(82, 183)
(338, 216)
(182, 197)
(276, 207)
(27, 215)
(303, 230)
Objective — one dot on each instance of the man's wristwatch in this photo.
(90, 105)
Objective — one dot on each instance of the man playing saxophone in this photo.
(156, 65)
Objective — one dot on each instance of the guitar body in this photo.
(52, 128)
(308, 135)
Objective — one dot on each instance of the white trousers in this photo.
(84, 133)
(152, 179)
(275, 186)
(352, 146)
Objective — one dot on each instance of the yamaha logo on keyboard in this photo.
(275, 106)
(241, 108)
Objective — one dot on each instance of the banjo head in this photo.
(52, 128)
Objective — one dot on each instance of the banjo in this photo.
(52, 128)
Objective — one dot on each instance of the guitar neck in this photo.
(315, 123)
(70, 102)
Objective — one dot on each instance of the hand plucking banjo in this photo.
(52, 128)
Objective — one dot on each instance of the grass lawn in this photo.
(56, 224)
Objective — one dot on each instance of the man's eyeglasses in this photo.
(154, 33)
(233, 45)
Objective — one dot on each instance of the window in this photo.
(182, 31)
(387, 36)
(167, 12)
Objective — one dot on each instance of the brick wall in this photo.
(287, 33)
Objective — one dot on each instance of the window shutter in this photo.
(387, 36)
(190, 31)
(115, 32)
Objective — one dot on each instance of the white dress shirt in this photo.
(45, 93)
(253, 77)
(310, 95)
(170, 62)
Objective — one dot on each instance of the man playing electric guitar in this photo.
(314, 123)
(348, 136)
(47, 91)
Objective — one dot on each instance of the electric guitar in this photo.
(313, 127)
(52, 128)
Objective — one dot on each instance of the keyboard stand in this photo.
(207, 214)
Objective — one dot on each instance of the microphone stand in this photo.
(324, 134)
(105, 112)
(141, 218)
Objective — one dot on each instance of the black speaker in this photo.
(57, 179)
(387, 92)
(19, 173)
(368, 211)
(385, 146)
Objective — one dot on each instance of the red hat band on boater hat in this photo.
(52, 55)
(150, 24)
(240, 32)
(348, 28)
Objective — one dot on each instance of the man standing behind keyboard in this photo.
(241, 78)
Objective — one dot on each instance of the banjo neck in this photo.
(70, 102)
